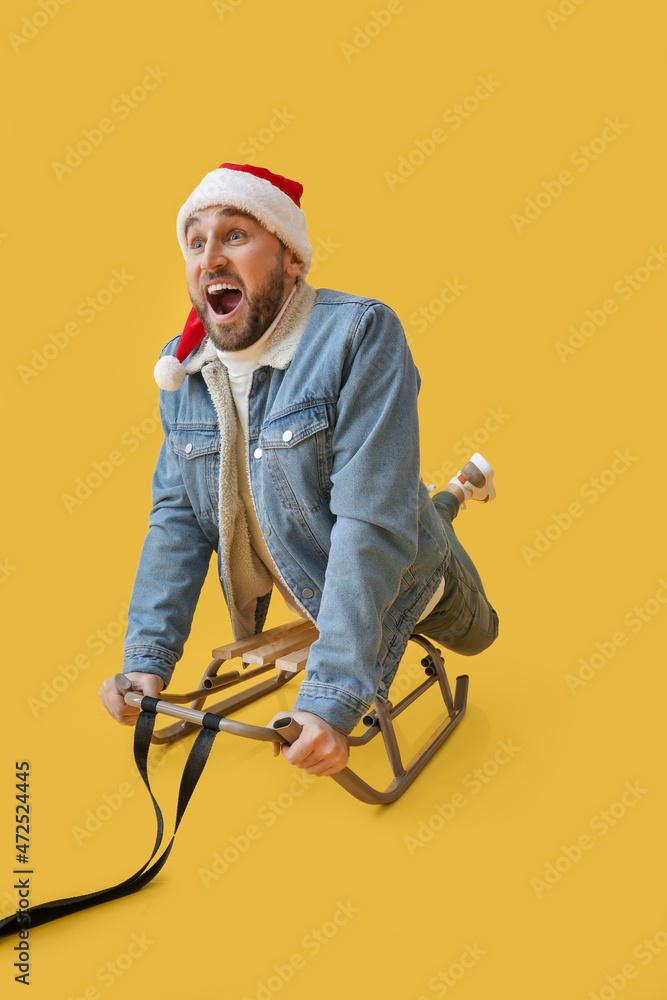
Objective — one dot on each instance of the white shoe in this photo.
(478, 467)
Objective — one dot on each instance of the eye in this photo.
(196, 241)
(238, 233)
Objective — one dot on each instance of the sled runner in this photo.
(284, 651)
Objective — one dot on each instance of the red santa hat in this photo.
(273, 200)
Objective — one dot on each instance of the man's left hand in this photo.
(319, 750)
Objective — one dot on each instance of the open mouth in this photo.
(223, 298)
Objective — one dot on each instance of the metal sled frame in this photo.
(285, 649)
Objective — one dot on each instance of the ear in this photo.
(293, 263)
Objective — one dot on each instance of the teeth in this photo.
(221, 286)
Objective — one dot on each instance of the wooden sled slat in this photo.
(293, 662)
(281, 646)
(238, 648)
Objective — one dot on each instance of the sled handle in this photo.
(285, 730)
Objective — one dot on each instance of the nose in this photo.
(214, 255)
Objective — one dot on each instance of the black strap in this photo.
(44, 912)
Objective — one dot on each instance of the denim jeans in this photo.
(462, 621)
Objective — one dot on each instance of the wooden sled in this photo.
(284, 651)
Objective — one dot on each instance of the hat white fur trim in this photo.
(271, 206)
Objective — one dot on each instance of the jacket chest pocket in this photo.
(297, 449)
(197, 448)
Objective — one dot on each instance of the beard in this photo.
(262, 308)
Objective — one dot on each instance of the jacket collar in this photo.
(283, 341)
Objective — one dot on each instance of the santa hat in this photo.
(273, 200)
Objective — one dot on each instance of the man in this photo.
(292, 449)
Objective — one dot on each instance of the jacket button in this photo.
(266, 529)
(188, 448)
(261, 377)
(257, 452)
(287, 436)
(307, 592)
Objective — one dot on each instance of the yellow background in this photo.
(354, 103)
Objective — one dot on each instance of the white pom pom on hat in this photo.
(169, 372)
(273, 200)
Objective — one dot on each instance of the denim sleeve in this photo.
(374, 539)
(172, 568)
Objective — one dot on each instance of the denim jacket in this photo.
(333, 454)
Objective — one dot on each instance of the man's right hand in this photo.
(113, 701)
